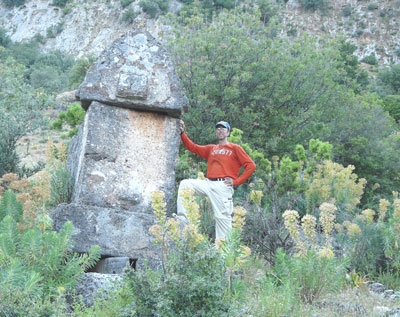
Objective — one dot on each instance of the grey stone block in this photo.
(135, 72)
(114, 265)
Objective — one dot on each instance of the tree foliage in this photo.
(5, 40)
(20, 107)
(233, 69)
(389, 79)
(281, 93)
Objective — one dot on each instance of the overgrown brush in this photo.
(37, 265)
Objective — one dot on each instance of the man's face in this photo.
(222, 132)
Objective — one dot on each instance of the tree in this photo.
(233, 69)
(281, 93)
(354, 77)
(5, 40)
(389, 80)
(20, 113)
(392, 105)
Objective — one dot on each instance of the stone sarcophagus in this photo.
(126, 148)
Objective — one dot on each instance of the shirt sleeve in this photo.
(247, 163)
(201, 150)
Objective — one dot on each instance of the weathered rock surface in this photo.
(92, 285)
(112, 265)
(118, 232)
(134, 72)
(120, 156)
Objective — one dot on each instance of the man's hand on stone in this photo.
(228, 181)
(182, 126)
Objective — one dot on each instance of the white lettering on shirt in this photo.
(222, 151)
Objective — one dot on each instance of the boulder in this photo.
(135, 72)
(120, 156)
(118, 232)
(376, 287)
(95, 285)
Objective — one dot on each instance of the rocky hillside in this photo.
(87, 26)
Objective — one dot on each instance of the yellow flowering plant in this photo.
(232, 249)
(193, 271)
(33, 193)
(332, 182)
(308, 225)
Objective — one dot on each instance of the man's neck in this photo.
(223, 142)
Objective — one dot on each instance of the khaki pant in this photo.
(220, 196)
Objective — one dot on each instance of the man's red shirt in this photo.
(223, 160)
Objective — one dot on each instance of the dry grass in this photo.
(32, 147)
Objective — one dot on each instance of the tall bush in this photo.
(37, 264)
(5, 40)
(20, 107)
(192, 281)
(334, 183)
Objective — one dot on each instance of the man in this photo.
(224, 162)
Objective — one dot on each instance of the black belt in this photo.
(216, 179)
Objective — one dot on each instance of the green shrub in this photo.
(36, 263)
(58, 59)
(282, 188)
(270, 298)
(312, 276)
(25, 53)
(39, 38)
(9, 159)
(13, 3)
(20, 107)
(149, 7)
(50, 78)
(364, 247)
(125, 3)
(372, 7)
(292, 31)
(9, 206)
(354, 74)
(268, 9)
(129, 16)
(313, 4)
(78, 72)
(193, 270)
(196, 279)
(333, 182)
(73, 117)
(60, 3)
(53, 30)
(62, 185)
(163, 5)
(347, 10)
(370, 59)
(392, 105)
(5, 40)
(389, 80)
(50, 71)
